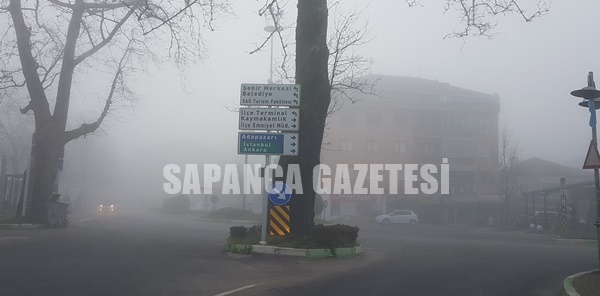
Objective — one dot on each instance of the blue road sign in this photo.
(268, 143)
(280, 194)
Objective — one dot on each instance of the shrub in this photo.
(238, 232)
(244, 235)
(334, 236)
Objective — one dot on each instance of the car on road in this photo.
(398, 217)
(108, 206)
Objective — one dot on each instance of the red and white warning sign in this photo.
(592, 159)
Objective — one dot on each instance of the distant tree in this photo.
(15, 137)
(507, 177)
(49, 46)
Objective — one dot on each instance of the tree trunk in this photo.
(312, 75)
(48, 142)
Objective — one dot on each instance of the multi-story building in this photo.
(418, 121)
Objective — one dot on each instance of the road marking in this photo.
(88, 219)
(238, 289)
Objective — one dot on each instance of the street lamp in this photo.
(591, 94)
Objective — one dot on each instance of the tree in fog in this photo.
(478, 18)
(50, 46)
(15, 137)
(508, 171)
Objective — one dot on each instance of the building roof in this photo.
(421, 85)
(538, 166)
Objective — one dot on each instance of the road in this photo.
(154, 254)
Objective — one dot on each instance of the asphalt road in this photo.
(153, 254)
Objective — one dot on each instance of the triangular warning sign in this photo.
(592, 159)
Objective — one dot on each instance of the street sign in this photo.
(280, 194)
(281, 119)
(270, 95)
(592, 159)
(268, 143)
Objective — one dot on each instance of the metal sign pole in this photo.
(263, 232)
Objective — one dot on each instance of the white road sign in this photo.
(280, 119)
(270, 95)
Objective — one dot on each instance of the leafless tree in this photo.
(312, 72)
(506, 180)
(479, 17)
(50, 46)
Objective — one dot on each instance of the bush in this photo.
(177, 204)
(334, 236)
(238, 232)
(321, 236)
(244, 235)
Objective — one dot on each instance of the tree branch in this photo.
(35, 88)
(88, 128)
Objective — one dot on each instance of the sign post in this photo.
(279, 122)
(563, 206)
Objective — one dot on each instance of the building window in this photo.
(400, 147)
(459, 148)
(373, 146)
(373, 119)
(429, 149)
(347, 145)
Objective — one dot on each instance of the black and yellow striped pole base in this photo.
(279, 220)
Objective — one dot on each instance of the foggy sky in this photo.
(533, 67)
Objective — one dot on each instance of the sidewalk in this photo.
(582, 284)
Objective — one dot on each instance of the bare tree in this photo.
(312, 72)
(506, 180)
(49, 46)
(479, 17)
(347, 67)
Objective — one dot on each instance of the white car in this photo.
(399, 216)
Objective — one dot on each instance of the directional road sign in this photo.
(281, 119)
(268, 143)
(270, 95)
(280, 194)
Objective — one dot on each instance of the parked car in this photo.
(399, 217)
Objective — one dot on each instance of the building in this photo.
(542, 189)
(418, 121)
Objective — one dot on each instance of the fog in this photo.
(186, 118)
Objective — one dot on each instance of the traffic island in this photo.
(295, 252)
(323, 241)
(582, 284)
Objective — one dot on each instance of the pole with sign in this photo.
(563, 206)
(272, 114)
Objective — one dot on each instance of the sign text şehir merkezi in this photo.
(270, 95)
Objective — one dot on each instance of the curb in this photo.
(568, 288)
(576, 240)
(21, 226)
(307, 253)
